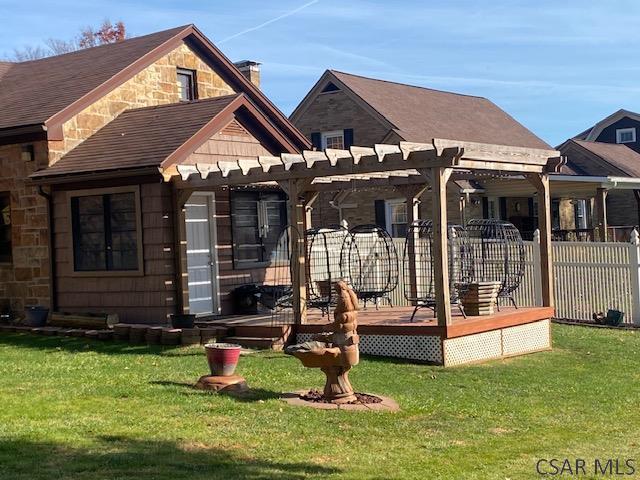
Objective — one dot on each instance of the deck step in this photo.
(273, 343)
(280, 331)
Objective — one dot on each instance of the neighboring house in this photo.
(344, 109)
(87, 222)
(610, 148)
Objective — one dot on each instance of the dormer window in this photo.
(187, 85)
(334, 139)
(625, 135)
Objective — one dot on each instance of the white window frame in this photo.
(622, 131)
(388, 211)
(332, 133)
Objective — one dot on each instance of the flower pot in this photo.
(183, 320)
(36, 316)
(222, 358)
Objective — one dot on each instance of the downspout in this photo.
(52, 251)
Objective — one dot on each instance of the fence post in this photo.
(634, 265)
(537, 270)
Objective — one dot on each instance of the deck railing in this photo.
(589, 277)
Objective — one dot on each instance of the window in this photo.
(396, 217)
(334, 139)
(5, 227)
(106, 232)
(257, 219)
(555, 214)
(625, 135)
(27, 152)
(581, 214)
(187, 85)
(491, 209)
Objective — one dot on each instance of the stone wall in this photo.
(25, 280)
(359, 206)
(336, 111)
(155, 85)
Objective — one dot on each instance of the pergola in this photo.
(410, 166)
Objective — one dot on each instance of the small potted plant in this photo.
(183, 320)
(36, 315)
(222, 358)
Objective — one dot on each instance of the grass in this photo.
(74, 409)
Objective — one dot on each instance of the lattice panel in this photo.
(472, 348)
(526, 338)
(410, 347)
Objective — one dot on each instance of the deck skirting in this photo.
(472, 348)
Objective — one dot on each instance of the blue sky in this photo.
(557, 67)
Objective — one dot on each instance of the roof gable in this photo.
(162, 135)
(419, 114)
(66, 84)
(592, 133)
(31, 92)
(619, 158)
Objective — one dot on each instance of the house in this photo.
(610, 148)
(88, 223)
(342, 109)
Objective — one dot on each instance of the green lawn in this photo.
(75, 409)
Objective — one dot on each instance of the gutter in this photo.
(53, 301)
(622, 183)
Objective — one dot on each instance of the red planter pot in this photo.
(222, 358)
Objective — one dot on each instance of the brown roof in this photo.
(420, 114)
(33, 91)
(141, 137)
(619, 156)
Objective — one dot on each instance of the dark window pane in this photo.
(89, 244)
(186, 84)
(257, 220)
(105, 232)
(5, 227)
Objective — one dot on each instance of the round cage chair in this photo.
(324, 246)
(276, 289)
(418, 265)
(498, 254)
(369, 262)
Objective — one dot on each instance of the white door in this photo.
(201, 254)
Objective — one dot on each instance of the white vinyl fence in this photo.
(589, 277)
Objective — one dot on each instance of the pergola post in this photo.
(309, 198)
(439, 178)
(412, 193)
(601, 213)
(296, 190)
(541, 183)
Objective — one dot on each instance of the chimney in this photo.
(251, 70)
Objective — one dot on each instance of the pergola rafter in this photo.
(413, 166)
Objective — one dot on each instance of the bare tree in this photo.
(88, 37)
(29, 53)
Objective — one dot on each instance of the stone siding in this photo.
(360, 209)
(155, 85)
(336, 111)
(25, 280)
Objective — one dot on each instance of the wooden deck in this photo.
(397, 321)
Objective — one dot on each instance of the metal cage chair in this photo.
(276, 290)
(323, 246)
(369, 261)
(418, 264)
(498, 254)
